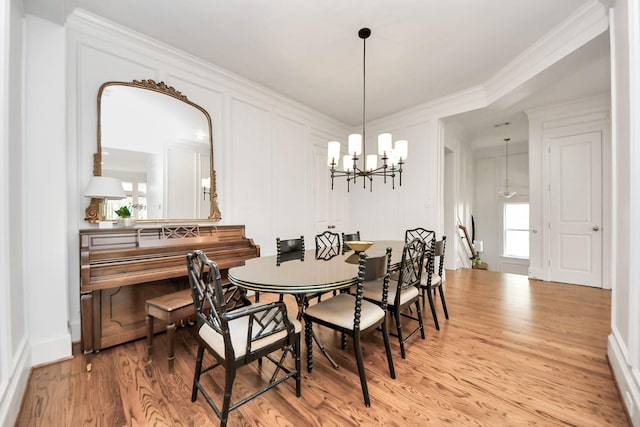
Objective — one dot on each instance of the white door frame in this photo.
(593, 276)
(592, 114)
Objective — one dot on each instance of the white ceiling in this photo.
(309, 50)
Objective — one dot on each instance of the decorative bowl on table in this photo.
(358, 245)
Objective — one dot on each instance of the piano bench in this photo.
(169, 308)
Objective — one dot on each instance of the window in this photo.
(516, 230)
(136, 200)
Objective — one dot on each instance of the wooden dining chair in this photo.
(404, 292)
(433, 280)
(237, 334)
(429, 238)
(352, 316)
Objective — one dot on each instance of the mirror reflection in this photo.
(159, 145)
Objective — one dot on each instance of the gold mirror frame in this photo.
(92, 211)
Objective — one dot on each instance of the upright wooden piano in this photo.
(120, 268)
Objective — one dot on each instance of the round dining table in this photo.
(308, 273)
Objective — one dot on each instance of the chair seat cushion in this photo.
(435, 280)
(238, 330)
(339, 310)
(373, 291)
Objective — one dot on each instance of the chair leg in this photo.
(360, 363)
(296, 349)
(230, 375)
(196, 376)
(444, 303)
(308, 338)
(387, 346)
(433, 311)
(396, 316)
(420, 323)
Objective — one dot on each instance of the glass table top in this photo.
(306, 273)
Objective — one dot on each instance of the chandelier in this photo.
(392, 157)
(506, 193)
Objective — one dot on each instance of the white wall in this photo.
(14, 348)
(418, 202)
(262, 141)
(458, 197)
(624, 340)
(45, 184)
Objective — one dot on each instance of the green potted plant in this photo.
(124, 213)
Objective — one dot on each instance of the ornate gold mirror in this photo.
(160, 145)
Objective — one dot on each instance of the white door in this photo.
(575, 187)
(329, 204)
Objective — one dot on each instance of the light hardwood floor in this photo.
(514, 352)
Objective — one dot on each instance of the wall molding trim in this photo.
(625, 376)
(11, 400)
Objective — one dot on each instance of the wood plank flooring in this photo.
(514, 352)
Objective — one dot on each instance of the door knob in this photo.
(596, 228)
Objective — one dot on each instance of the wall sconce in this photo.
(101, 188)
(206, 188)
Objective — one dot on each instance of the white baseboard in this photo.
(51, 350)
(12, 398)
(624, 376)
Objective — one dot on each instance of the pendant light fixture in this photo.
(392, 157)
(506, 193)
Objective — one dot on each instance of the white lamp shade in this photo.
(402, 149)
(104, 187)
(333, 153)
(347, 162)
(355, 144)
(206, 182)
(478, 245)
(384, 143)
(372, 161)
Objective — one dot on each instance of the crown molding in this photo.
(584, 106)
(578, 29)
(88, 24)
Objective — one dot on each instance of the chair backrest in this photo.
(289, 245)
(210, 298)
(348, 237)
(289, 249)
(439, 252)
(369, 266)
(327, 245)
(215, 305)
(411, 265)
(427, 236)
(376, 267)
(327, 238)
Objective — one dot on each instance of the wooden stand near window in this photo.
(474, 254)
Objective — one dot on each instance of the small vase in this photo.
(128, 222)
